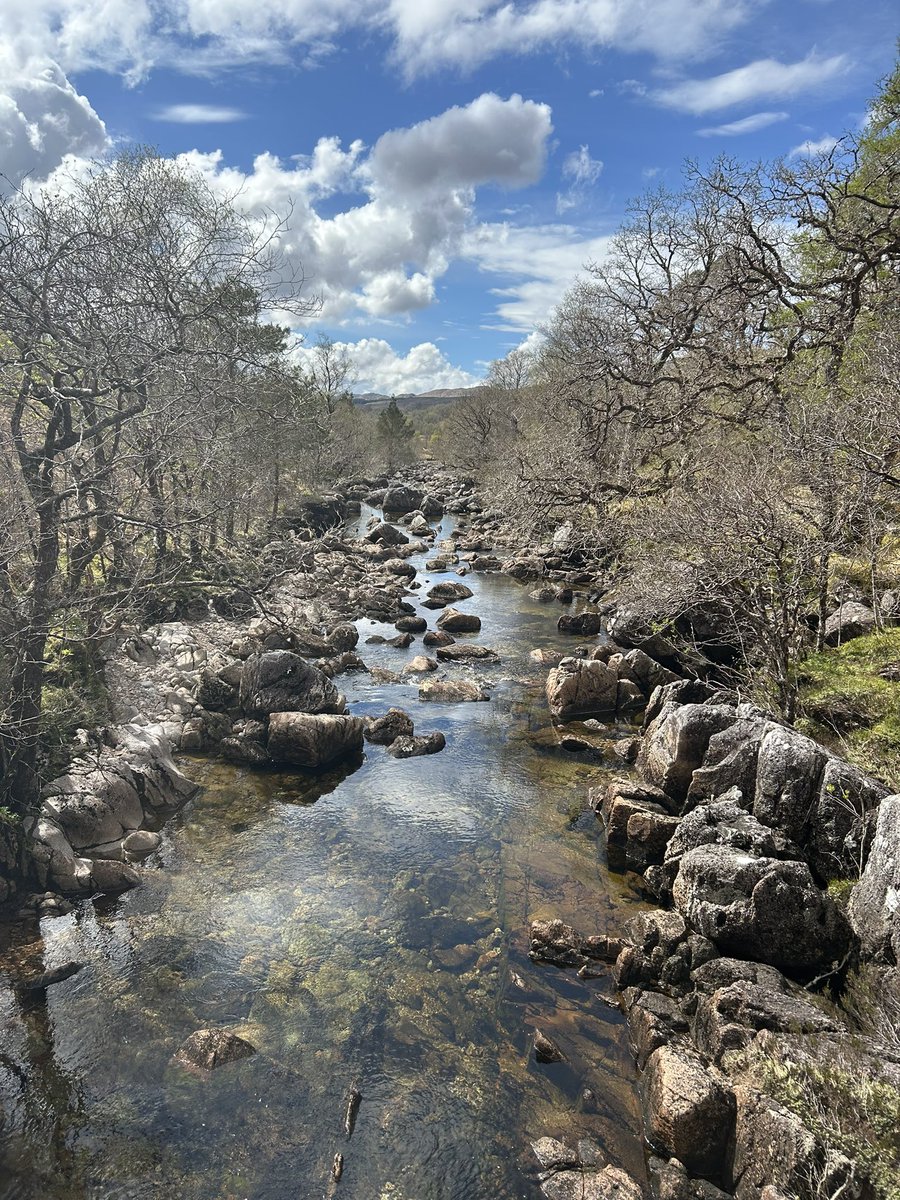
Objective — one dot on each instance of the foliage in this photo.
(850, 699)
(394, 432)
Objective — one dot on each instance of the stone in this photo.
(420, 665)
(543, 595)
(452, 691)
(438, 637)
(387, 535)
(837, 828)
(851, 620)
(760, 908)
(279, 681)
(675, 743)
(414, 747)
(584, 624)
(727, 823)
(729, 1018)
(214, 694)
(402, 499)
(545, 1049)
(449, 592)
(689, 1109)
(610, 1183)
(467, 651)
(875, 900)
(208, 1049)
(654, 1020)
(141, 843)
(313, 739)
(411, 624)
(788, 778)
(581, 688)
(454, 621)
(384, 730)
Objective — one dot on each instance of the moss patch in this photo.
(850, 699)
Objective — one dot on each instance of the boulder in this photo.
(760, 908)
(875, 901)
(788, 778)
(851, 620)
(727, 823)
(387, 535)
(411, 624)
(438, 637)
(608, 1183)
(420, 665)
(580, 688)
(676, 742)
(730, 1018)
(384, 730)
(689, 1109)
(278, 681)
(453, 621)
(840, 819)
(467, 652)
(313, 739)
(584, 624)
(208, 1049)
(449, 592)
(545, 1049)
(402, 499)
(414, 747)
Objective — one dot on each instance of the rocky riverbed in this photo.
(376, 948)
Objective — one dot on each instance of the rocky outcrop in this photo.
(875, 901)
(851, 620)
(689, 1109)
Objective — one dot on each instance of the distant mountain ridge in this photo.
(410, 401)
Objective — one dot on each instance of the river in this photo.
(367, 929)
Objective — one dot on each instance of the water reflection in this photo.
(366, 929)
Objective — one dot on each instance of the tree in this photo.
(394, 432)
(124, 296)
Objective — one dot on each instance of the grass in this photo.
(850, 704)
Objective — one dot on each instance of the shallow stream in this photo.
(366, 930)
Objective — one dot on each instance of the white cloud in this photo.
(42, 120)
(582, 171)
(488, 141)
(764, 78)
(382, 256)
(199, 114)
(542, 262)
(810, 149)
(751, 124)
(379, 368)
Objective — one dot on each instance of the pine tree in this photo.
(395, 433)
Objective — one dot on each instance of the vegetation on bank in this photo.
(850, 700)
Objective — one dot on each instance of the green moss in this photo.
(848, 702)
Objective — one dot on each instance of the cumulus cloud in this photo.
(381, 257)
(751, 124)
(198, 114)
(379, 368)
(764, 78)
(42, 120)
(488, 141)
(810, 149)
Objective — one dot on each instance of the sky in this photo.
(446, 167)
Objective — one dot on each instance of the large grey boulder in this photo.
(730, 1018)
(765, 909)
(836, 838)
(675, 743)
(453, 621)
(581, 687)
(313, 739)
(402, 499)
(730, 761)
(875, 901)
(387, 535)
(449, 592)
(788, 777)
(851, 620)
(279, 681)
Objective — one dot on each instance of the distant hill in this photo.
(410, 401)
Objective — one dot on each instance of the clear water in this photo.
(368, 929)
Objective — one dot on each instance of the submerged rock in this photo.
(452, 691)
(545, 1049)
(208, 1049)
(462, 652)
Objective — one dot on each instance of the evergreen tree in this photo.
(395, 433)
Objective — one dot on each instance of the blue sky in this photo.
(449, 165)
